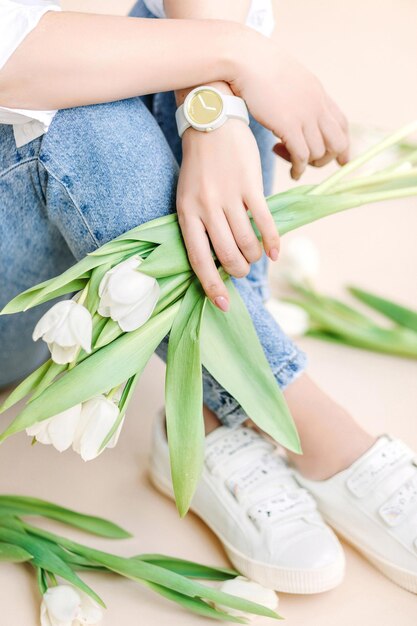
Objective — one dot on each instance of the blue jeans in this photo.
(99, 171)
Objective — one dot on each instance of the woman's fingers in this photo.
(295, 143)
(315, 142)
(261, 214)
(243, 233)
(225, 245)
(202, 262)
(335, 138)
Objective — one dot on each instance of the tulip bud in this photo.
(58, 430)
(244, 588)
(98, 415)
(66, 328)
(128, 296)
(293, 320)
(299, 261)
(64, 605)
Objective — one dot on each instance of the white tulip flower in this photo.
(58, 430)
(66, 328)
(127, 295)
(244, 588)
(64, 605)
(299, 260)
(98, 415)
(293, 320)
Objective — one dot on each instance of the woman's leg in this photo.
(31, 250)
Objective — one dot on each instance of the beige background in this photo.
(365, 53)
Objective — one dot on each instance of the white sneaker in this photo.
(373, 505)
(268, 525)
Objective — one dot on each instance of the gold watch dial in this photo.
(205, 106)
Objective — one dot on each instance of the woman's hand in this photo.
(289, 100)
(220, 180)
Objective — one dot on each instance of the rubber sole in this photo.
(402, 577)
(285, 580)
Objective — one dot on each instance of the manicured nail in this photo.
(221, 303)
(273, 254)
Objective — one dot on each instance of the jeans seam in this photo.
(77, 208)
(291, 357)
(17, 165)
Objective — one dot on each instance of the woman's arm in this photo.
(232, 10)
(220, 179)
(73, 59)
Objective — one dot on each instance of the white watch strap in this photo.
(234, 107)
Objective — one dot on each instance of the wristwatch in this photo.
(206, 108)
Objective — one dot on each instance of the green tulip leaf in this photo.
(232, 353)
(26, 386)
(43, 557)
(184, 397)
(195, 605)
(167, 259)
(13, 554)
(188, 568)
(401, 315)
(23, 505)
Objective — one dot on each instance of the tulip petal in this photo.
(37, 427)
(141, 312)
(130, 287)
(62, 355)
(81, 326)
(39, 430)
(45, 619)
(113, 441)
(131, 263)
(91, 612)
(62, 603)
(103, 283)
(62, 427)
(51, 319)
(97, 417)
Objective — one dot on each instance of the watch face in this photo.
(205, 106)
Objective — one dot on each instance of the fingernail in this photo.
(273, 254)
(221, 303)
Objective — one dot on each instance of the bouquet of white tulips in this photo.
(131, 293)
(67, 600)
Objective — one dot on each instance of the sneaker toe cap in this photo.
(312, 549)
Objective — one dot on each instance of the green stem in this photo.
(377, 179)
(364, 158)
(41, 580)
(83, 294)
(388, 195)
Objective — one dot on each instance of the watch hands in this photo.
(200, 97)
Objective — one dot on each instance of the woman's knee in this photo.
(106, 168)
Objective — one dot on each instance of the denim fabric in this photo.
(99, 171)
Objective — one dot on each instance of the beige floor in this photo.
(365, 52)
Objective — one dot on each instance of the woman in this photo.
(107, 160)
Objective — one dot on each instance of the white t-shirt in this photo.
(19, 17)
